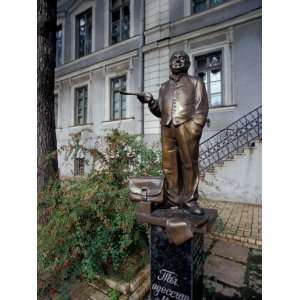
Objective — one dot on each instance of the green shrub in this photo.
(87, 226)
(113, 295)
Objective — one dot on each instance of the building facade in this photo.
(107, 45)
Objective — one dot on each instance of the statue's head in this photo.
(179, 62)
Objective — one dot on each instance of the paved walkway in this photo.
(237, 222)
(233, 257)
(232, 271)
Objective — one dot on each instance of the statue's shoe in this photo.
(194, 208)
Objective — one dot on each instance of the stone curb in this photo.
(99, 289)
(243, 241)
(98, 296)
(122, 287)
(225, 291)
(140, 293)
(142, 276)
(134, 288)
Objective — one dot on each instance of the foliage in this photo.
(87, 226)
(113, 295)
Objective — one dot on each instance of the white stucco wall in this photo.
(98, 112)
(157, 13)
(239, 180)
(156, 72)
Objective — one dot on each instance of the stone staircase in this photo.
(230, 162)
(246, 150)
(231, 141)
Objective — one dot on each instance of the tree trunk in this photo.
(47, 166)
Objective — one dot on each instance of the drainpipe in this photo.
(141, 61)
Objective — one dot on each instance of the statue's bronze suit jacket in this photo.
(182, 106)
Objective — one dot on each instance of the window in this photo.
(59, 43)
(202, 5)
(118, 101)
(81, 98)
(84, 33)
(120, 20)
(56, 109)
(209, 68)
(79, 166)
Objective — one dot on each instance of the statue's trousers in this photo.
(180, 151)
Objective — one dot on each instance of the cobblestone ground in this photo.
(237, 221)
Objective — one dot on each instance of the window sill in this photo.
(222, 108)
(81, 125)
(210, 9)
(82, 56)
(117, 121)
(111, 46)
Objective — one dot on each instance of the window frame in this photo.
(229, 100)
(79, 170)
(85, 106)
(208, 69)
(56, 105)
(77, 26)
(208, 6)
(122, 117)
(62, 45)
(121, 7)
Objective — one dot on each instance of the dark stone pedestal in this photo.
(176, 271)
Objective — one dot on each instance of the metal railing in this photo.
(230, 140)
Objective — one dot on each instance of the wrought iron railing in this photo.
(230, 140)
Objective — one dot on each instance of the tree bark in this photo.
(47, 166)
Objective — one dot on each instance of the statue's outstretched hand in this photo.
(145, 97)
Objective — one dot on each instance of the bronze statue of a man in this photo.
(182, 106)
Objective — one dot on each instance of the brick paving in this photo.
(237, 222)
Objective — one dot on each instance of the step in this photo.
(228, 159)
(240, 152)
(220, 163)
(250, 145)
(211, 170)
